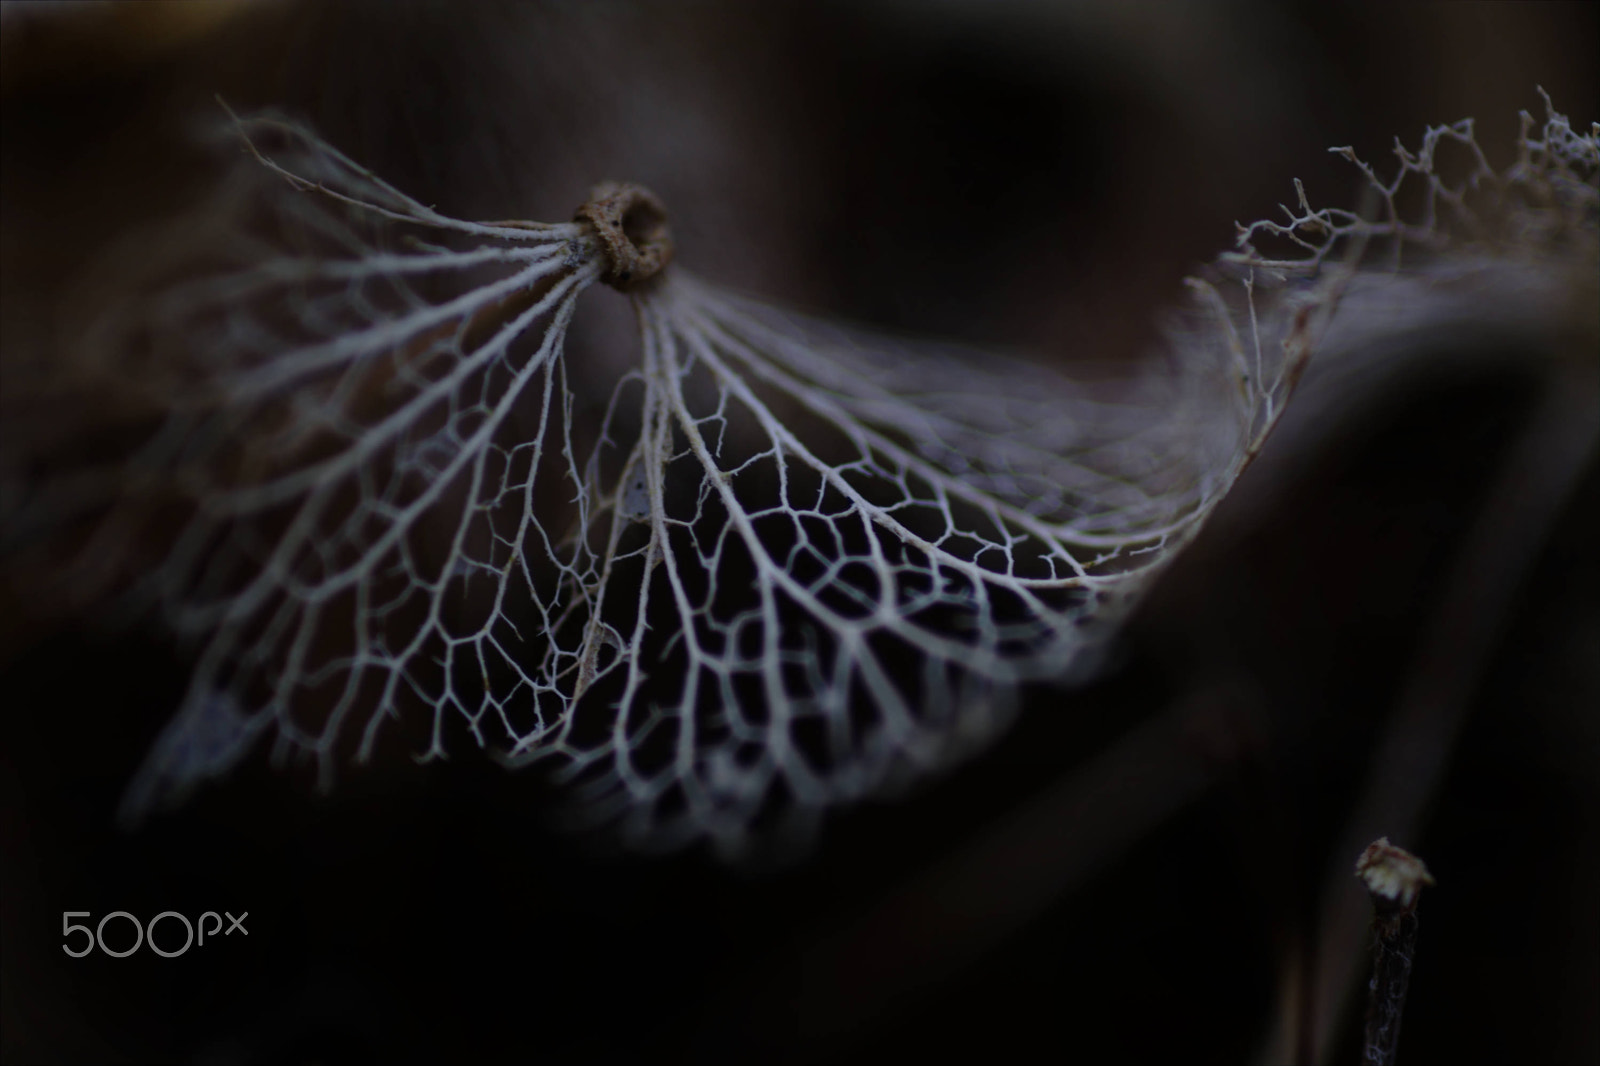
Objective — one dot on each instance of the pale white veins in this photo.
(786, 566)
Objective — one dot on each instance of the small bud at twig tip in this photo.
(1393, 876)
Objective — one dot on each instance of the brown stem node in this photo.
(631, 225)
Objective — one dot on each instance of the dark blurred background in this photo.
(1393, 623)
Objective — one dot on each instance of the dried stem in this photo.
(631, 223)
(1394, 878)
(1534, 481)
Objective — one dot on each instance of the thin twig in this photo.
(1534, 480)
(1394, 878)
